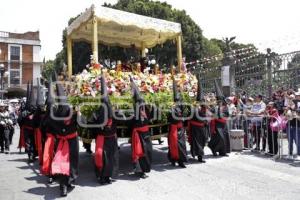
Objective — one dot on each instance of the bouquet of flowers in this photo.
(155, 88)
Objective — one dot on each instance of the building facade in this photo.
(21, 55)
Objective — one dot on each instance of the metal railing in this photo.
(279, 141)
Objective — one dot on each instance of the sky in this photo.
(265, 23)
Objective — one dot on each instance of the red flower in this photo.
(96, 66)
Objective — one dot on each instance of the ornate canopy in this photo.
(118, 28)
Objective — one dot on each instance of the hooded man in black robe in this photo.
(198, 125)
(63, 125)
(38, 118)
(47, 132)
(106, 150)
(176, 136)
(27, 124)
(219, 141)
(141, 144)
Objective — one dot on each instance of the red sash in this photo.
(190, 124)
(38, 144)
(173, 140)
(48, 154)
(99, 147)
(61, 161)
(136, 146)
(22, 139)
(213, 124)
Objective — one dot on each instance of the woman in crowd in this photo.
(272, 114)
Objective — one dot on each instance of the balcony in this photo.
(4, 34)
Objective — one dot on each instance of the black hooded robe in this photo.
(219, 141)
(142, 163)
(110, 154)
(65, 128)
(198, 133)
(177, 149)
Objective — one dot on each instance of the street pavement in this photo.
(244, 175)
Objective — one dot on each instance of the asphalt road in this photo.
(240, 176)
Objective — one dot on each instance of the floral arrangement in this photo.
(155, 88)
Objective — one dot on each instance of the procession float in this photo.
(118, 28)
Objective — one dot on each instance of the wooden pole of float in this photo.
(179, 52)
(69, 53)
(95, 38)
(143, 52)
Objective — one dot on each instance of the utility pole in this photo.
(228, 61)
(269, 72)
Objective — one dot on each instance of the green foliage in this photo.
(48, 69)
(162, 100)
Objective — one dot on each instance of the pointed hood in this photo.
(60, 91)
(104, 96)
(63, 107)
(176, 94)
(49, 101)
(136, 92)
(200, 95)
(32, 98)
(218, 91)
(27, 104)
(39, 95)
(54, 76)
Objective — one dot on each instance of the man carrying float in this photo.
(64, 126)
(27, 125)
(176, 137)
(106, 151)
(141, 144)
(198, 125)
(219, 142)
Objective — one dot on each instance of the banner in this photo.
(225, 76)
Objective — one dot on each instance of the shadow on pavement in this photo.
(87, 176)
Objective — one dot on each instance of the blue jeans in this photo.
(294, 135)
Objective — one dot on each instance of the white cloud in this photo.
(265, 23)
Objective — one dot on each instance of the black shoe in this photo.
(143, 175)
(173, 163)
(89, 151)
(30, 159)
(70, 186)
(63, 190)
(215, 154)
(2, 151)
(201, 160)
(6, 151)
(107, 180)
(101, 181)
(160, 141)
(181, 164)
(50, 180)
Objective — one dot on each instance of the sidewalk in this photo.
(240, 176)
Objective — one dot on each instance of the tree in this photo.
(195, 45)
(48, 69)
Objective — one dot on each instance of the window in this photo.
(15, 77)
(14, 53)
